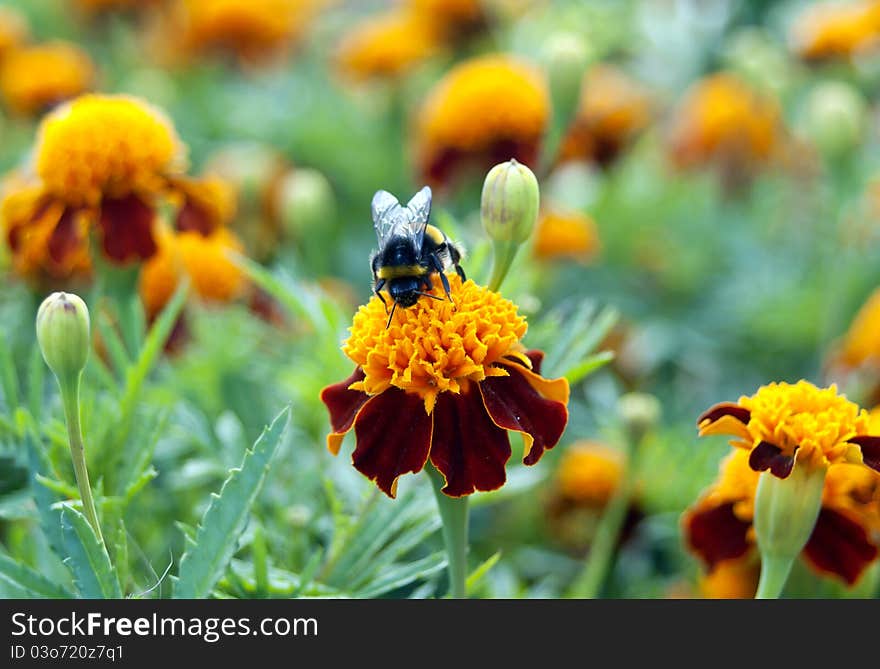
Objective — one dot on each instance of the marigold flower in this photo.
(722, 120)
(566, 234)
(204, 259)
(35, 78)
(613, 109)
(249, 29)
(388, 45)
(104, 162)
(457, 14)
(461, 122)
(860, 345)
(457, 371)
(785, 421)
(731, 579)
(718, 527)
(836, 30)
(14, 29)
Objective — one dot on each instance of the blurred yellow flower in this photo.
(613, 109)
(566, 235)
(388, 45)
(14, 29)
(588, 473)
(484, 111)
(204, 259)
(35, 78)
(251, 30)
(721, 120)
(860, 344)
(732, 579)
(836, 30)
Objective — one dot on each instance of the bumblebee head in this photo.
(405, 291)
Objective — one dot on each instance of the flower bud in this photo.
(63, 335)
(786, 510)
(835, 118)
(639, 413)
(509, 203)
(566, 57)
(305, 200)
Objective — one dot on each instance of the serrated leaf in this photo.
(30, 582)
(87, 558)
(203, 564)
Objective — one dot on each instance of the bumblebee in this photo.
(410, 250)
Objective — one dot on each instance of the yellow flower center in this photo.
(106, 145)
(435, 345)
(818, 422)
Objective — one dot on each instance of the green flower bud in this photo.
(835, 117)
(786, 510)
(305, 200)
(509, 203)
(63, 335)
(566, 57)
(639, 412)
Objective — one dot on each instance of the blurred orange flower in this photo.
(613, 109)
(566, 235)
(101, 163)
(723, 121)
(836, 30)
(14, 29)
(251, 30)
(854, 359)
(35, 78)
(388, 45)
(482, 112)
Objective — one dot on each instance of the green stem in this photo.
(454, 514)
(589, 583)
(70, 399)
(502, 259)
(774, 574)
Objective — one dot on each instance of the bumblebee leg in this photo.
(377, 288)
(460, 272)
(435, 262)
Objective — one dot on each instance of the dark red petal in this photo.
(127, 226)
(65, 238)
(393, 438)
(193, 218)
(716, 534)
(343, 405)
(514, 404)
(839, 546)
(468, 448)
(767, 456)
(725, 409)
(870, 450)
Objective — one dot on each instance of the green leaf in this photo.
(586, 367)
(403, 575)
(478, 573)
(203, 564)
(30, 582)
(87, 558)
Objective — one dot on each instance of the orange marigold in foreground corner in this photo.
(722, 120)
(483, 112)
(35, 78)
(613, 109)
(444, 382)
(784, 421)
(718, 527)
(837, 30)
(100, 162)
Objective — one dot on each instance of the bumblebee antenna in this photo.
(393, 307)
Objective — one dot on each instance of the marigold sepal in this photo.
(786, 511)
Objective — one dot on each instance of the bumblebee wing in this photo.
(419, 208)
(389, 218)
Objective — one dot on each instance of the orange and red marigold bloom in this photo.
(483, 112)
(102, 163)
(444, 382)
(829, 30)
(844, 542)
(783, 422)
